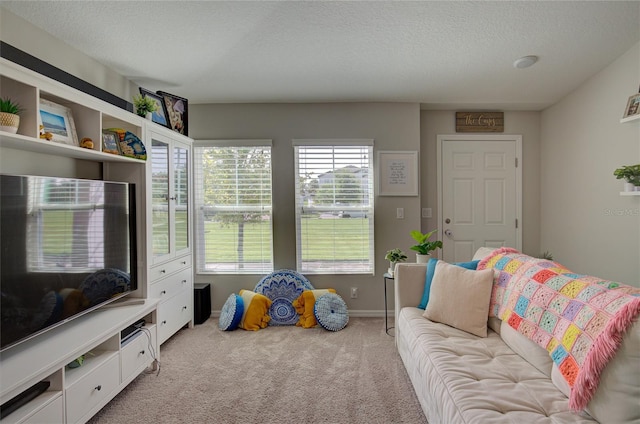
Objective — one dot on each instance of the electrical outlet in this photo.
(354, 292)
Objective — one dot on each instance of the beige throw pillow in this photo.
(460, 298)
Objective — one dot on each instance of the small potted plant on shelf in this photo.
(424, 246)
(9, 115)
(631, 175)
(145, 106)
(394, 256)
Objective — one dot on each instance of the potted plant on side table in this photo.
(9, 115)
(424, 246)
(631, 175)
(394, 256)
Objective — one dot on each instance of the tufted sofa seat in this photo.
(460, 378)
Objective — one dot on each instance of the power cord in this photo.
(152, 350)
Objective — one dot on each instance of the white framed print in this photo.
(58, 120)
(397, 173)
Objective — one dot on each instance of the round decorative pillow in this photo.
(104, 284)
(331, 312)
(231, 313)
(283, 287)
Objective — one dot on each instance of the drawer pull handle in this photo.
(99, 387)
(184, 307)
(142, 352)
(164, 322)
(163, 271)
(163, 292)
(184, 262)
(184, 281)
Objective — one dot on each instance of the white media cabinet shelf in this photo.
(630, 193)
(95, 335)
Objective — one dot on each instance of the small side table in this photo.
(386, 276)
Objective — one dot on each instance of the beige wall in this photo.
(37, 42)
(393, 126)
(586, 224)
(527, 124)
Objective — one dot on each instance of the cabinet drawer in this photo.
(174, 314)
(172, 285)
(53, 413)
(162, 270)
(135, 356)
(92, 389)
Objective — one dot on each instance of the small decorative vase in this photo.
(629, 187)
(392, 267)
(149, 116)
(422, 259)
(9, 122)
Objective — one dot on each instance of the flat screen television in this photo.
(67, 247)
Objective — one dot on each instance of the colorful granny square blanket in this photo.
(580, 320)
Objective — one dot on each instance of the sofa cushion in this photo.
(460, 298)
(528, 349)
(461, 378)
(431, 267)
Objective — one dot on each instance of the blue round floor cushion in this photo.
(283, 287)
(231, 313)
(331, 312)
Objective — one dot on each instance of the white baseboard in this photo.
(357, 313)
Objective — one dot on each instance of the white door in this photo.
(479, 193)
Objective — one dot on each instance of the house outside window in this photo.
(233, 207)
(334, 206)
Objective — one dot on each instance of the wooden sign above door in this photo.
(479, 122)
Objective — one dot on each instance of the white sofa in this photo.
(503, 378)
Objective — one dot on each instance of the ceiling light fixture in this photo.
(525, 62)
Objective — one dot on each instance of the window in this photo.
(334, 206)
(233, 207)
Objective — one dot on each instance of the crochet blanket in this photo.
(579, 319)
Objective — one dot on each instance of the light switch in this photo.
(426, 213)
(400, 213)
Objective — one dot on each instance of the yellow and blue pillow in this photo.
(256, 310)
(304, 305)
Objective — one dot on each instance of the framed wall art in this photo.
(160, 115)
(110, 142)
(177, 112)
(633, 106)
(397, 173)
(58, 120)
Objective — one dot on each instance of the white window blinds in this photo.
(233, 207)
(334, 207)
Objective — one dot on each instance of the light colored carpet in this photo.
(276, 375)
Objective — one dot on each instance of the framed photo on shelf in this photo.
(110, 142)
(160, 115)
(58, 120)
(397, 173)
(177, 111)
(633, 106)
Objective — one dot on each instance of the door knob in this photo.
(448, 233)
(447, 221)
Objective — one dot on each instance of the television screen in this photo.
(67, 246)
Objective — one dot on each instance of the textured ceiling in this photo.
(440, 54)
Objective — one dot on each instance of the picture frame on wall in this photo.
(633, 106)
(110, 142)
(58, 120)
(397, 173)
(160, 115)
(177, 111)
